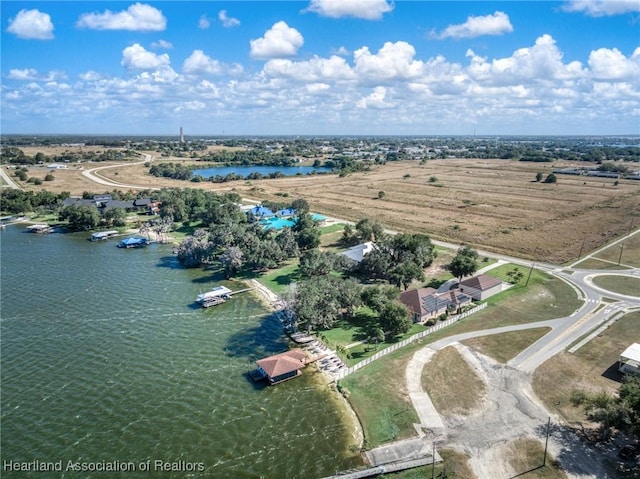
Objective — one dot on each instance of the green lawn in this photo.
(277, 280)
(377, 394)
(506, 346)
(619, 284)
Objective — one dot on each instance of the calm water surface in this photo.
(105, 358)
(263, 170)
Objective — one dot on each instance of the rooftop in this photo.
(283, 363)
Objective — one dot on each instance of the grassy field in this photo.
(451, 383)
(506, 346)
(617, 256)
(493, 204)
(526, 458)
(593, 367)
(379, 398)
(619, 284)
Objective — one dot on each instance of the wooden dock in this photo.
(240, 291)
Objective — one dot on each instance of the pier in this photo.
(218, 295)
(394, 457)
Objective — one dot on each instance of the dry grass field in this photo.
(593, 368)
(451, 383)
(490, 204)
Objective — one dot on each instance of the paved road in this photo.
(93, 175)
(10, 183)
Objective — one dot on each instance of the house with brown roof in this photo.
(480, 287)
(283, 366)
(427, 303)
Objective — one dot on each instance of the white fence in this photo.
(383, 352)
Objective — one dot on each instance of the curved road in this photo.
(95, 177)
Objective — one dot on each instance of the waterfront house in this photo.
(480, 287)
(359, 251)
(286, 213)
(427, 303)
(283, 366)
(413, 299)
(261, 212)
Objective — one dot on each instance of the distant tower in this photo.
(181, 135)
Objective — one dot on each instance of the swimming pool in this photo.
(279, 223)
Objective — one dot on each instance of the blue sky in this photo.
(321, 67)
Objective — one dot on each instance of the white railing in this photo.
(383, 352)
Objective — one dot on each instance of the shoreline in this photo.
(274, 303)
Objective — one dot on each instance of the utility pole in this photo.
(581, 248)
(546, 443)
(530, 271)
(433, 459)
(621, 250)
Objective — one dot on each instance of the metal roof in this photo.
(632, 353)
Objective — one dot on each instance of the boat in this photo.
(216, 295)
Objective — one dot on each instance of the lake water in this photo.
(106, 358)
(263, 170)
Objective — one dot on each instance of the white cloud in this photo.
(611, 64)
(393, 61)
(496, 24)
(365, 9)
(135, 57)
(31, 25)
(31, 74)
(90, 76)
(602, 8)
(280, 40)
(392, 90)
(375, 100)
(195, 105)
(542, 61)
(317, 69)
(138, 17)
(315, 88)
(204, 22)
(226, 20)
(162, 44)
(199, 63)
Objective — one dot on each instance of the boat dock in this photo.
(104, 235)
(40, 229)
(217, 295)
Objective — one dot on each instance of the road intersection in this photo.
(510, 409)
